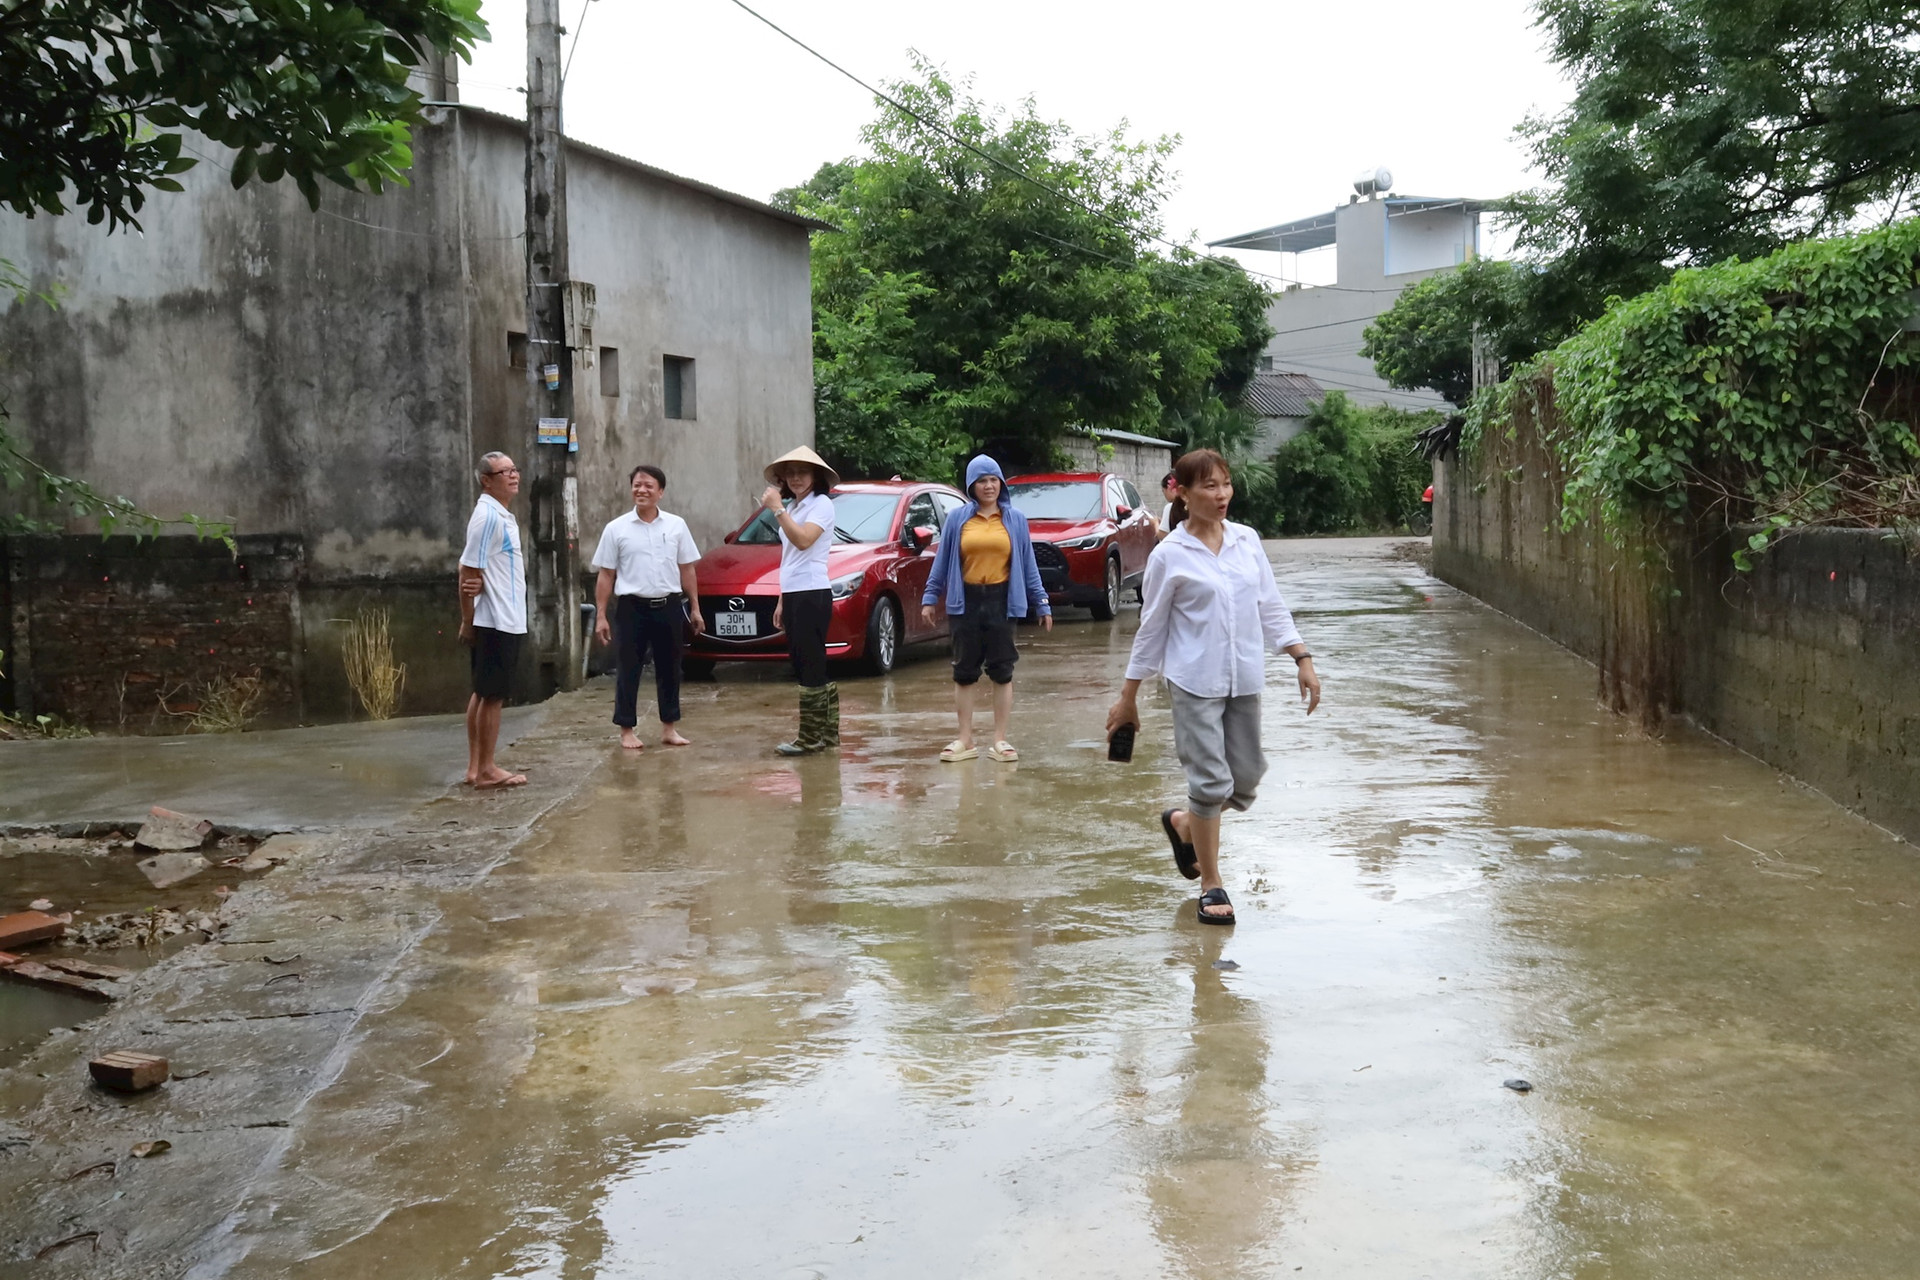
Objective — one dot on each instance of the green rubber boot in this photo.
(813, 715)
(830, 716)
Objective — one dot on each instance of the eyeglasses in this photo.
(505, 471)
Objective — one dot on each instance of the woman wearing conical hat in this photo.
(803, 480)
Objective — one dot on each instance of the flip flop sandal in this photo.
(1214, 898)
(1004, 752)
(954, 753)
(1184, 856)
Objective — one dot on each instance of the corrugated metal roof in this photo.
(1283, 395)
(1129, 437)
(1317, 232)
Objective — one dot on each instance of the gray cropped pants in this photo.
(1218, 741)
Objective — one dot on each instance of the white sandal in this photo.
(1003, 751)
(954, 753)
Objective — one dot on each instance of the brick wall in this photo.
(105, 631)
(1810, 661)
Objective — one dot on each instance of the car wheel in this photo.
(1109, 603)
(883, 636)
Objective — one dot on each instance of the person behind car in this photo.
(986, 577)
(1208, 603)
(804, 479)
(1170, 490)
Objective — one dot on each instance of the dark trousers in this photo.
(805, 615)
(640, 630)
(983, 636)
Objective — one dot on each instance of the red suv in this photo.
(884, 535)
(1091, 535)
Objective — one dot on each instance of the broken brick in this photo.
(29, 926)
(127, 1071)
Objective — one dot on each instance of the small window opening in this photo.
(609, 371)
(516, 350)
(1266, 364)
(678, 386)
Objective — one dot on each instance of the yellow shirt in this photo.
(986, 552)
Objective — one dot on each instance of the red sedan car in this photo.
(884, 535)
(1091, 535)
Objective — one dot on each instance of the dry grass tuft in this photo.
(230, 705)
(376, 679)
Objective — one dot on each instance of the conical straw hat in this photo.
(812, 459)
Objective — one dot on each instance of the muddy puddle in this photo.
(119, 919)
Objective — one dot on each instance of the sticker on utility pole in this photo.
(552, 374)
(573, 437)
(553, 431)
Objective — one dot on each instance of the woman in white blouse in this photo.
(1210, 609)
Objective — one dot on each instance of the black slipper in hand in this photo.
(1214, 898)
(1183, 855)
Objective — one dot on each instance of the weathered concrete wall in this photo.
(679, 271)
(128, 634)
(1809, 661)
(1143, 464)
(333, 376)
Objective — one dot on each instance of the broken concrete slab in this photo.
(166, 830)
(40, 975)
(29, 926)
(281, 848)
(88, 969)
(168, 869)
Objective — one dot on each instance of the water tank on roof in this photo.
(1374, 182)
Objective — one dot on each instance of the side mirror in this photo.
(1122, 511)
(919, 537)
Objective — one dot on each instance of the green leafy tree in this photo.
(959, 304)
(1426, 338)
(1706, 129)
(96, 96)
(1699, 130)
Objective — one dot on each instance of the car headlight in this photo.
(846, 586)
(1082, 544)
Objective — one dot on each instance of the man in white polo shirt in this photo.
(493, 614)
(646, 595)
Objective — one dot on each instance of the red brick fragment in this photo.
(23, 927)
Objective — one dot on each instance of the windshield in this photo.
(1057, 499)
(857, 517)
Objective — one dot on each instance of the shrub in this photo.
(1778, 391)
(1351, 469)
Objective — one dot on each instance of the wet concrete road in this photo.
(713, 1013)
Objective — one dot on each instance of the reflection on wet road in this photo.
(727, 1015)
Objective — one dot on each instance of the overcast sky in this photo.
(1279, 105)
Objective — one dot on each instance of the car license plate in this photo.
(735, 624)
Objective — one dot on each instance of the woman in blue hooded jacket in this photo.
(987, 578)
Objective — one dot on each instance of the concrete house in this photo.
(1382, 244)
(327, 380)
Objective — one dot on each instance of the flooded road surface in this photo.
(724, 1015)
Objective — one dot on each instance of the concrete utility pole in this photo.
(555, 557)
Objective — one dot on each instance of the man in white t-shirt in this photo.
(493, 615)
(646, 595)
